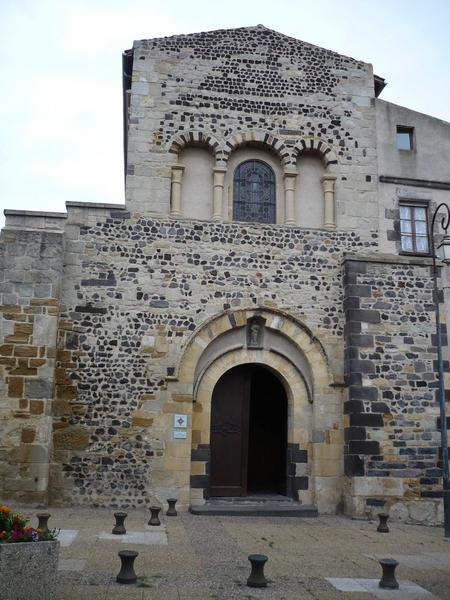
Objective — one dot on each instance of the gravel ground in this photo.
(206, 557)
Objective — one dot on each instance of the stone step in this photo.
(255, 509)
(251, 499)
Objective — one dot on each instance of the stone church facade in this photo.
(257, 318)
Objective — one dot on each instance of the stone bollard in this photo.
(171, 511)
(383, 526)
(119, 527)
(257, 578)
(154, 519)
(388, 580)
(126, 573)
(43, 521)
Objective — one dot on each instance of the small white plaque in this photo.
(180, 421)
(180, 435)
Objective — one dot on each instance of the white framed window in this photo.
(414, 228)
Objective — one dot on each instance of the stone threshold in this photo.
(255, 507)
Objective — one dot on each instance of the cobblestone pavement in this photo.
(195, 557)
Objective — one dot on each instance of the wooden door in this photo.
(229, 434)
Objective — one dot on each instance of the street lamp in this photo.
(444, 255)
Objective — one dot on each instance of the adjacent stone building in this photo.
(257, 318)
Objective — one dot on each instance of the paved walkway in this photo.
(197, 557)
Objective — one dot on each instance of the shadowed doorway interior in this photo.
(248, 433)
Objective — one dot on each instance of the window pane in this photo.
(421, 227)
(405, 212)
(413, 228)
(405, 136)
(422, 244)
(407, 244)
(405, 226)
(403, 141)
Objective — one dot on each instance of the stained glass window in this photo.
(254, 192)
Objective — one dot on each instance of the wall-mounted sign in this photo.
(179, 435)
(180, 421)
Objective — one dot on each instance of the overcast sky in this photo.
(60, 75)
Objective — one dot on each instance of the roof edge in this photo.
(259, 27)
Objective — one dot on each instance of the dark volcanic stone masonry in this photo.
(245, 66)
(198, 269)
(210, 87)
(392, 409)
(119, 323)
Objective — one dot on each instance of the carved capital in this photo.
(328, 182)
(219, 176)
(177, 173)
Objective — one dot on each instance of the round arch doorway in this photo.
(248, 433)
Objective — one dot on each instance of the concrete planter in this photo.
(28, 570)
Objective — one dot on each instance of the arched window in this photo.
(254, 192)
